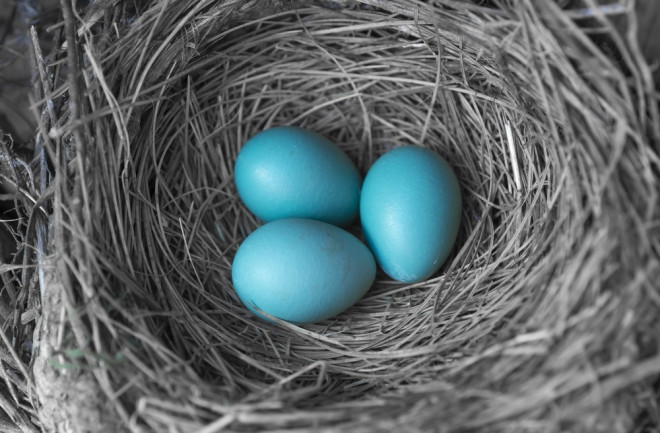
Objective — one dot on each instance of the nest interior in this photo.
(543, 319)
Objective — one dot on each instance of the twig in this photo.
(48, 118)
(513, 155)
(76, 110)
(609, 9)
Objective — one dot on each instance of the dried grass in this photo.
(545, 317)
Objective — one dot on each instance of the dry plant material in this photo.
(544, 319)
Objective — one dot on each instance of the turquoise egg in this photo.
(289, 172)
(302, 271)
(411, 212)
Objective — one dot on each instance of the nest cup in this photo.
(542, 318)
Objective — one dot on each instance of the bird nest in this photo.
(543, 319)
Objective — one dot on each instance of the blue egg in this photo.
(411, 212)
(302, 271)
(289, 172)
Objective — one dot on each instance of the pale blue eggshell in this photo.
(289, 172)
(410, 210)
(302, 271)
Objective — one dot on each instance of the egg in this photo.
(410, 210)
(301, 270)
(290, 172)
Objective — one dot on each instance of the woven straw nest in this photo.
(544, 319)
